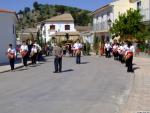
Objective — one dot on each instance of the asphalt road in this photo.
(98, 85)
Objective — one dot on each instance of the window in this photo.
(139, 5)
(52, 27)
(67, 27)
(108, 14)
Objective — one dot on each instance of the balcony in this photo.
(101, 27)
(146, 14)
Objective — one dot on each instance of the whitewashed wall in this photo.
(121, 6)
(100, 20)
(145, 11)
(7, 35)
(59, 27)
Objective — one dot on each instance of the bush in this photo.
(88, 48)
(96, 44)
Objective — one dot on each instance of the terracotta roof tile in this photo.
(6, 11)
(63, 17)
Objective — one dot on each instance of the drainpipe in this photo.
(149, 11)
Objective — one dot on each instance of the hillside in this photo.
(41, 12)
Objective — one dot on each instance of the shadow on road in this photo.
(68, 70)
(21, 69)
(135, 68)
(84, 62)
(133, 64)
(34, 65)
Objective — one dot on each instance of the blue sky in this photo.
(16, 5)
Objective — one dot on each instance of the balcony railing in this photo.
(146, 14)
(101, 26)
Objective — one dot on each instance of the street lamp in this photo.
(109, 22)
(20, 17)
(41, 38)
(67, 36)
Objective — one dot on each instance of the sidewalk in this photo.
(139, 99)
(6, 68)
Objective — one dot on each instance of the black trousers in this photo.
(12, 63)
(33, 58)
(107, 53)
(129, 64)
(115, 55)
(58, 64)
(25, 58)
(78, 59)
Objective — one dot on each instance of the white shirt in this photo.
(115, 47)
(34, 50)
(125, 47)
(132, 49)
(23, 48)
(107, 46)
(120, 49)
(77, 46)
(12, 50)
(38, 46)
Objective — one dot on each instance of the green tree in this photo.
(36, 5)
(96, 41)
(26, 9)
(127, 25)
(88, 48)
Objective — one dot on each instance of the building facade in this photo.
(106, 15)
(100, 22)
(57, 27)
(8, 22)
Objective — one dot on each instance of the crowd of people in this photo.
(122, 52)
(27, 51)
(34, 53)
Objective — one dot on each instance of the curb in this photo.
(138, 97)
(18, 67)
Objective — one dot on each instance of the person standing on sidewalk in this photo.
(58, 53)
(78, 47)
(11, 54)
(24, 53)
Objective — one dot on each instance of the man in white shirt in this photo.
(24, 53)
(129, 57)
(107, 49)
(11, 54)
(33, 54)
(77, 47)
(39, 51)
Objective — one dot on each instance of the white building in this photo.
(106, 15)
(8, 22)
(58, 26)
(144, 6)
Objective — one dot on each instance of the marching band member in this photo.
(115, 51)
(78, 47)
(11, 54)
(129, 57)
(39, 51)
(120, 53)
(107, 49)
(33, 54)
(24, 53)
